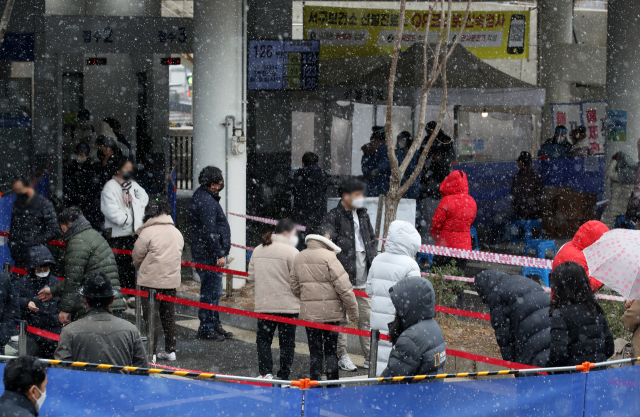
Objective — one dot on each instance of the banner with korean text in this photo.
(591, 114)
(359, 32)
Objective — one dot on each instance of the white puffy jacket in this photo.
(394, 264)
(122, 220)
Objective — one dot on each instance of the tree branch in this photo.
(392, 78)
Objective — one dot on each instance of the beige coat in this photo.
(631, 321)
(322, 284)
(157, 253)
(271, 269)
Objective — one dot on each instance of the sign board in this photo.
(283, 65)
(107, 34)
(617, 125)
(358, 32)
(591, 114)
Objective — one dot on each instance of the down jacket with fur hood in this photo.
(322, 284)
(586, 236)
(396, 263)
(519, 309)
(451, 223)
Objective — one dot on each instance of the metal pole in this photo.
(139, 312)
(373, 353)
(7, 269)
(229, 286)
(151, 323)
(22, 339)
(379, 214)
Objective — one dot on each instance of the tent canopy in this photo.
(464, 70)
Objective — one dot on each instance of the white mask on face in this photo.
(42, 274)
(358, 202)
(294, 240)
(40, 400)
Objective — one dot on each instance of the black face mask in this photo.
(100, 154)
(22, 198)
(127, 175)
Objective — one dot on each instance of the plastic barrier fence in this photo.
(613, 392)
(75, 393)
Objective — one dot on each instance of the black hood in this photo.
(414, 300)
(39, 256)
(486, 281)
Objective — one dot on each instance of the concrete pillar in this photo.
(623, 73)
(555, 29)
(217, 93)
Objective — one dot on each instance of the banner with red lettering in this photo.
(591, 114)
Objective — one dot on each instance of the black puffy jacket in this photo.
(9, 309)
(519, 310)
(578, 336)
(309, 192)
(27, 288)
(341, 221)
(420, 348)
(32, 224)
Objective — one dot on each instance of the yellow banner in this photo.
(349, 32)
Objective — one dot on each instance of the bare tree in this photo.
(437, 58)
(4, 23)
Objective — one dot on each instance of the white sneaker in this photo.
(346, 365)
(15, 338)
(267, 376)
(166, 356)
(366, 364)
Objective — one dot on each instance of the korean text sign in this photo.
(359, 32)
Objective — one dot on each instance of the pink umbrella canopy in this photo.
(615, 261)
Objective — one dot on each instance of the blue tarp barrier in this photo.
(613, 393)
(75, 393)
(536, 396)
(490, 183)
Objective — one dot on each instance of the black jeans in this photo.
(323, 342)
(41, 347)
(126, 270)
(287, 338)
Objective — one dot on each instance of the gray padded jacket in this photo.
(420, 348)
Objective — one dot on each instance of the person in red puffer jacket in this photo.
(586, 236)
(451, 223)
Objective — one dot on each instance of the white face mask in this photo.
(358, 202)
(294, 240)
(40, 400)
(42, 274)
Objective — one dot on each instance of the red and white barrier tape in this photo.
(243, 247)
(264, 220)
(444, 251)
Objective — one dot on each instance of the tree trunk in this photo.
(391, 202)
(4, 23)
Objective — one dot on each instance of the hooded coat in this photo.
(210, 231)
(396, 263)
(420, 349)
(86, 252)
(586, 236)
(519, 309)
(451, 223)
(322, 284)
(622, 176)
(27, 288)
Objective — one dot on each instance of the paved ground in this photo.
(235, 356)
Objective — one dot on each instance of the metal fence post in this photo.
(151, 324)
(22, 339)
(229, 286)
(138, 311)
(373, 353)
(7, 269)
